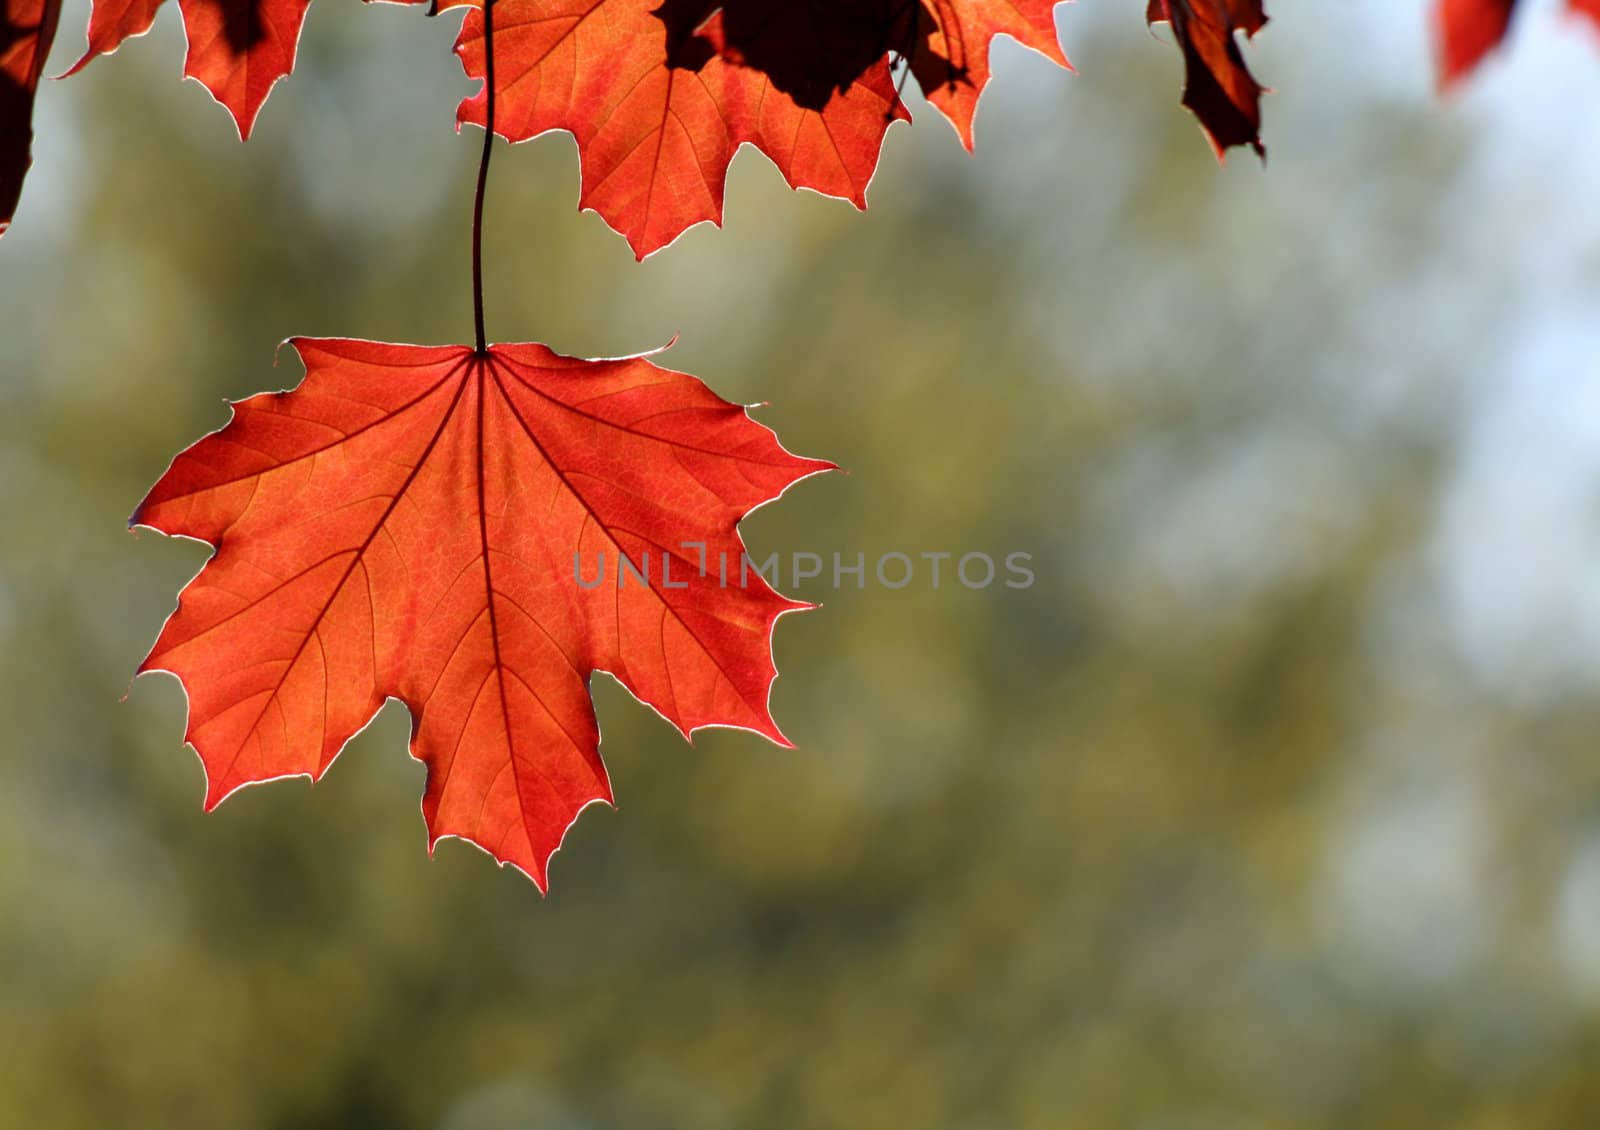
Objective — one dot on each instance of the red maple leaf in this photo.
(27, 28)
(1218, 87)
(952, 63)
(428, 524)
(661, 93)
(238, 49)
(1469, 30)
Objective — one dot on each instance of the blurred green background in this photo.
(1275, 802)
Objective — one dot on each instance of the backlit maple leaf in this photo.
(428, 524)
(952, 62)
(238, 49)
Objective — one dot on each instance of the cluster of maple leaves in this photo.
(406, 522)
(660, 93)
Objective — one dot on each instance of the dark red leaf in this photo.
(27, 28)
(1218, 87)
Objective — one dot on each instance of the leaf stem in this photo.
(483, 176)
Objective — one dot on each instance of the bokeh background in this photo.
(1275, 802)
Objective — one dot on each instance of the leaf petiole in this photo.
(483, 177)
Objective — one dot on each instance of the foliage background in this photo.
(1274, 803)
